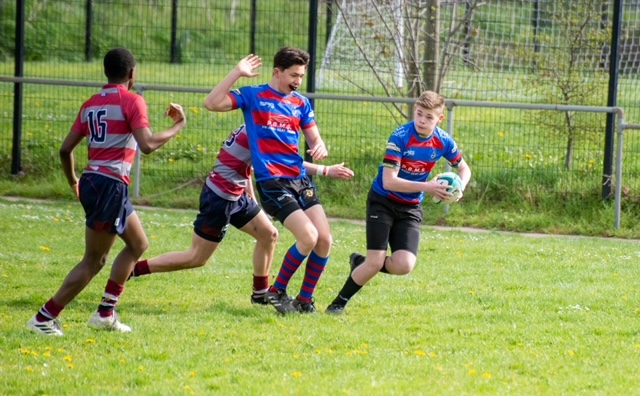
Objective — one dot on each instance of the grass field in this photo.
(482, 313)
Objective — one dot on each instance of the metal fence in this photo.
(497, 51)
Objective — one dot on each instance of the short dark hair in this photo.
(288, 56)
(118, 62)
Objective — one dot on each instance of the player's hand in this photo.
(248, 65)
(432, 187)
(339, 171)
(318, 153)
(74, 189)
(176, 112)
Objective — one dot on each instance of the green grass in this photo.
(482, 313)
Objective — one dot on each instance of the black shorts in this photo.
(281, 197)
(390, 223)
(105, 201)
(216, 213)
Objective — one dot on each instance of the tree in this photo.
(568, 69)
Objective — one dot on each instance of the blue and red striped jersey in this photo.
(414, 157)
(274, 122)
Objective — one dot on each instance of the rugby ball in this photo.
(455, 187)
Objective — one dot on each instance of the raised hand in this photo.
(248, 65)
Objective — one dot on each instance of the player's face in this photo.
(426, 119)
(290, 79)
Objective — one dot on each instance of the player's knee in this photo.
(309, 240)
(400, 267)
(269, 237)
(324, 243)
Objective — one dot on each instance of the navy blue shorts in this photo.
(216, 213)
(105, 201)
(281, 197)
(390, 223)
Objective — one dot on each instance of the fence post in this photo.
(87, 30)
(16, 149)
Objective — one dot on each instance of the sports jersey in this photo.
(230, 174)
(274, 122)
(414, 157)
(107, 119)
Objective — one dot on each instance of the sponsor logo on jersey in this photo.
(267, 104)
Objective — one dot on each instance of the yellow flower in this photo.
(29, 368)
(24, 351)
(570, 352)
(296, 374)
(141, 369)
(501, 134)
(67, 358)
(70, 365)
(91, 341)
(487, 375)
(420, 353)
(45, 248)
(432, 354)
(46, 354)
(194, 110)
(473, 372)
(192, 374)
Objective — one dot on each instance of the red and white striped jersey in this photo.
(107, 119)
(231, 172)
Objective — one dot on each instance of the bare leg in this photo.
(97, 246)
(136, 243)
(196, 256)
(266, 235)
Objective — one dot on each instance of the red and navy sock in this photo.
(312, 273)
(49, 311)
(290, 265)
(110, 298)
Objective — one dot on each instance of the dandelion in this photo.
(46, 354)
(638, 346)
(123, 361)
(501, 134)
(61, 350)
(55, 219)
(186, 387)
(70, 365)
(45, 248)
(319, 351)
(420, 353)
(432, 354)
(486, 375)
(34, 353)
(296, 374)
(194, 110)
(24, 351)
(473, 372)
(141, 369)
(91, 341)
(171, 160)
(153, 237)
(192, 374)
(472, 293)
(67, 358)
(29, 368)
(570, 352)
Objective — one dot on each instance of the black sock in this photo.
(348, 290)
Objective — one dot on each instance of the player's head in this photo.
(289, 66)
(119, 66)
(428, 112)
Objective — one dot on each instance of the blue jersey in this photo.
(274, 122)
(414, 157)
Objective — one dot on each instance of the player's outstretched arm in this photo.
(150, 142)
(217, 100)
(336, 171)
